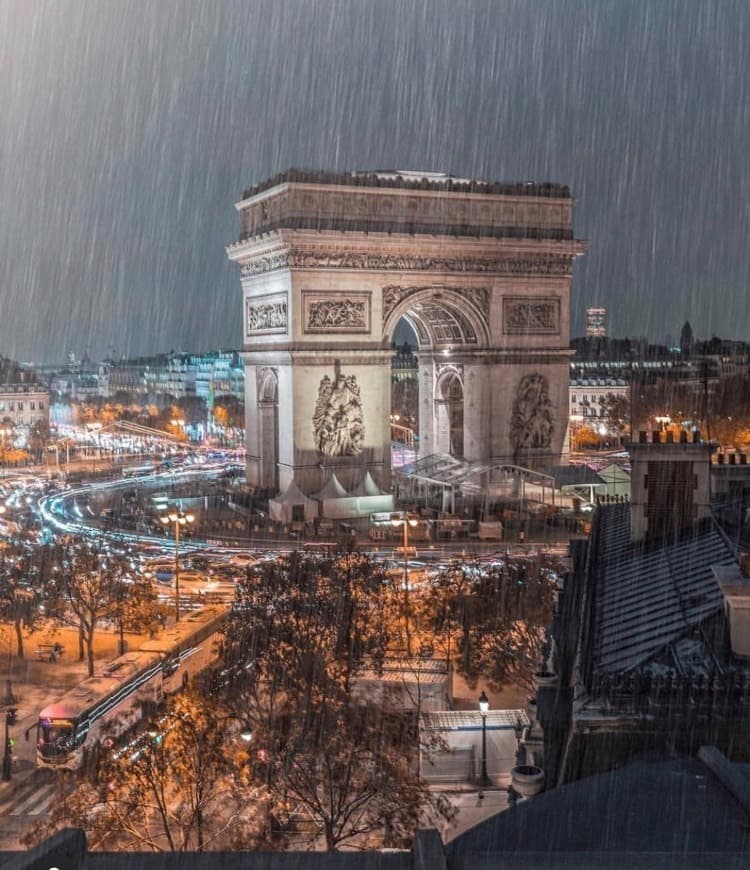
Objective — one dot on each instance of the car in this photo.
(242, 560)
(164, 574)
(226, 571)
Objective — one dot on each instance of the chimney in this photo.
(734, 581)
(670, 485)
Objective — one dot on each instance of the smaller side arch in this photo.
(268, 385)
(449, 411)
(268, 427)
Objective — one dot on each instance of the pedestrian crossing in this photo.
(31, 798)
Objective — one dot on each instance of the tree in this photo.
(135, 605)
(299, 630)
(229, 412)
(351, 769)
(90, 583)
(175, 787)
(304, 624)
(495, 618)
(616, 408)
(586, 438)
(27, 588)
(193, 409)
(38, 439)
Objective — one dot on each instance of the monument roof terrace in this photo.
(411, 180)
(405, 203)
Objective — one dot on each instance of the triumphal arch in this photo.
(329, 265)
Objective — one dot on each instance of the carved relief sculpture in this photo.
(531, 421)
(336, 311)
(329, 314)
(338, 426)
(265, 315)
(537, 315)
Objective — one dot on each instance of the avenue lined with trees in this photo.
(275, 745)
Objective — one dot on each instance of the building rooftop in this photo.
(667, 807)
(649, 597)
(470, 720)
(672, 814)
(412, 670)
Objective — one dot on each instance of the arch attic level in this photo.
(329, 264)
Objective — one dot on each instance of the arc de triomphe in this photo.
(330, 263)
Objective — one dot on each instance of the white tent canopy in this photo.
(367, 486)
(337, 504)
(281, 507)
(332, 489)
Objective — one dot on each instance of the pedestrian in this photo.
(522, 537)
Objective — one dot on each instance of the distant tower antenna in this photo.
(705, 398)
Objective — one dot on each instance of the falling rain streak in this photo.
(130, 128)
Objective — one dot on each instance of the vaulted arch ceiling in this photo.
(439, 318)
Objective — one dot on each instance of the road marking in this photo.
(39, 800)
(44, 806)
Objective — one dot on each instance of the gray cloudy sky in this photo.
(128, 129)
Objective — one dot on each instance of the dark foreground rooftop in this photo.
(668, 814)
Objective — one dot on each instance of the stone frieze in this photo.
(559, 266)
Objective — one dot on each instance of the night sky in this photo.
(129, 129)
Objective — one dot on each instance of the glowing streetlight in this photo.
(405, 520)
(177, 519)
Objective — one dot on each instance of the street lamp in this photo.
(10, 719)
(484, 708)
(10, 698)
(405, 520)
(177, 519)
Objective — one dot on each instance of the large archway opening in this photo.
(433, 332)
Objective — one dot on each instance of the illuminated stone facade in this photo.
(329, 264)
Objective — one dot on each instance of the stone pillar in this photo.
(252, 431)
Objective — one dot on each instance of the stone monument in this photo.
(330, 263)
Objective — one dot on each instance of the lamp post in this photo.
(10, 719)
(10, 698)
(177, 519)
(484, 708)
(405, 520)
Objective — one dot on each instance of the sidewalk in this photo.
(35, 684)
(475, 807)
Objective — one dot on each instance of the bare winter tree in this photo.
(174, 787)
(299, 631)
